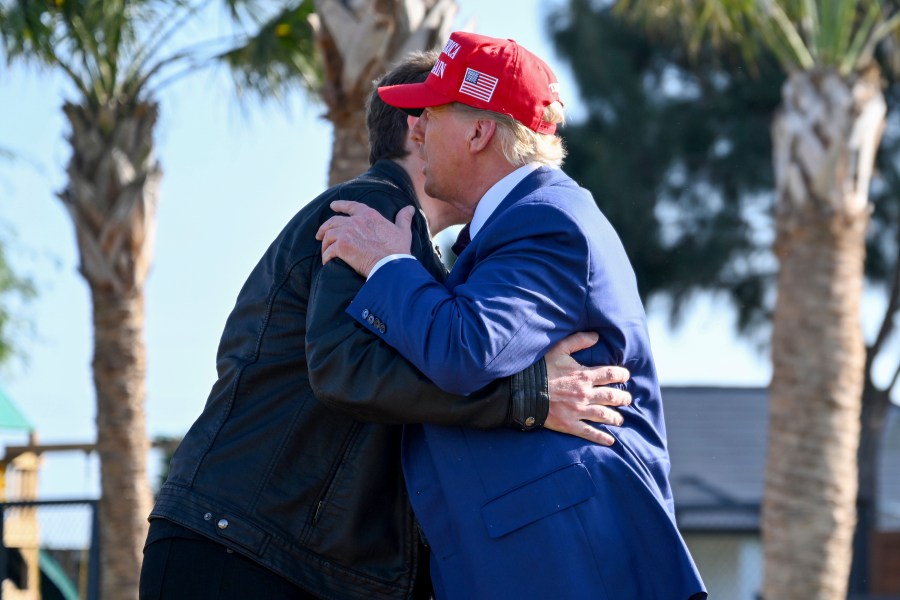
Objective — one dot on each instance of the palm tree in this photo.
(116, 55)
(355, 42)
(825, 136)
(358, 41)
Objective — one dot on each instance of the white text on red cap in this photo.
(451, 48)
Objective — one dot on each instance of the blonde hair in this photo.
(519, 144)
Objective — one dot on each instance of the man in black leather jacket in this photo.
(289, 483)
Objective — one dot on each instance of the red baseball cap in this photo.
(487, 73)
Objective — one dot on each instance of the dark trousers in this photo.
(180, 564)
(199, 569)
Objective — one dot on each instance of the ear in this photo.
(480, 134)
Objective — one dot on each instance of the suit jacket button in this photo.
(383, 328)
(365, 313)
(370, 320)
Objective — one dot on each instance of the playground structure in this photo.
(30, 570)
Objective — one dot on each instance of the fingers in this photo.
(593, 413)
(348, 207)
(585, 431)
(329, 251)
(608, 396)
(327, 226)
(597, 436)
(365, 236)
(405, 217)
(327, 234)
(583, 420)
(602, 416)
(576, 341)
(607, 375)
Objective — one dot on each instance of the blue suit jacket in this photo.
(535, 515)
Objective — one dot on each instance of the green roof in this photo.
(10, 416)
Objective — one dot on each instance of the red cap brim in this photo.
(412, 96)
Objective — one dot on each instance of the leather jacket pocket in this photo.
(335, 473)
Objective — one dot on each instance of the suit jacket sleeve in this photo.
(352, 370)
(526, 290)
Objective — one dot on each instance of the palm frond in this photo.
(816, 28)
(24, 34)
(278, 56)
(881, 32)
(862, 46)
(722, 23)
(144, 63)
(801, 53)
(122, 48)
(837, 28)
(802, 34)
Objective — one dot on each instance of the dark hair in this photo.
(386, 124)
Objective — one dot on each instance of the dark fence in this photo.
(52, 547)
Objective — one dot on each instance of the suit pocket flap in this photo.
(541, 498)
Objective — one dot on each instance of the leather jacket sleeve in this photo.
(354, 371)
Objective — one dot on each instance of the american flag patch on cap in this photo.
(478, 85)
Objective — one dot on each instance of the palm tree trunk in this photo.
(119, 374)
(825, 138)
(358, 42)
(111, 197)
(350, 147)
(350, 144)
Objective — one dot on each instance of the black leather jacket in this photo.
(295, 460)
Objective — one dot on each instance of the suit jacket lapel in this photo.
(539, 178)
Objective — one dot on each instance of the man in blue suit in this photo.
(507, 516)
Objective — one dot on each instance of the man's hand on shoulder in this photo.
(364, 237)
(579, 395)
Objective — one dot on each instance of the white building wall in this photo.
(731, 564)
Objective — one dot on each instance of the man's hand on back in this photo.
(578, 396)
(364, 237)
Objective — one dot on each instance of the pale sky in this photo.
(232, 178)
